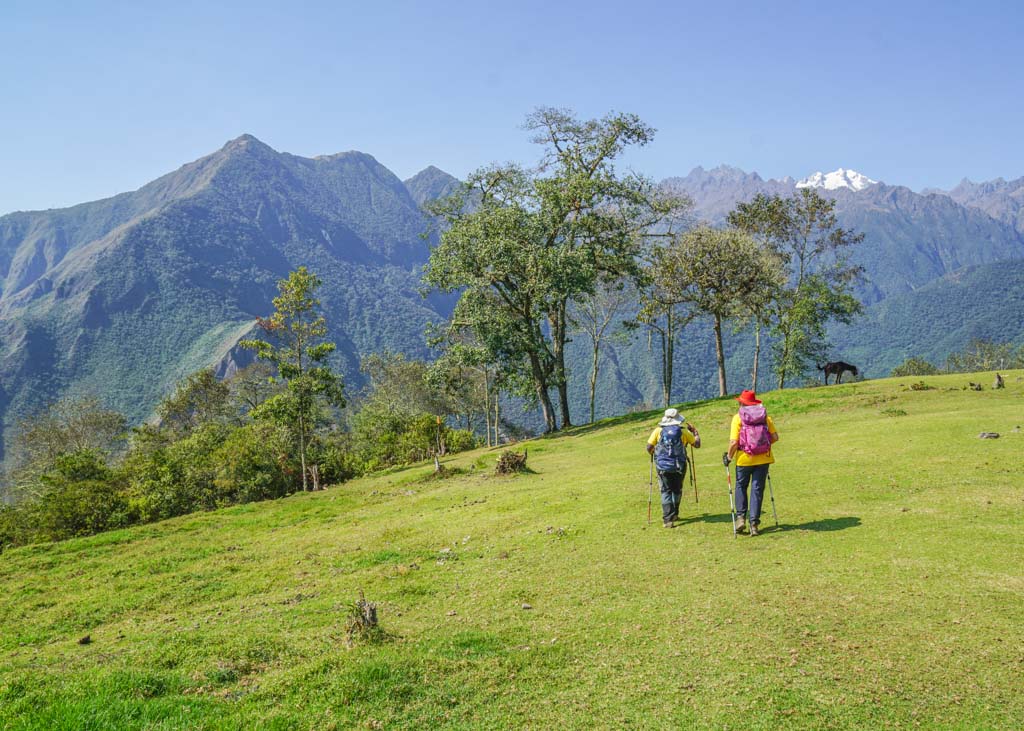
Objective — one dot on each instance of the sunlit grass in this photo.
(890, 594)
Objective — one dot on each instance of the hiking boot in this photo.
(741, 524)
(753, 529)
(668, 524)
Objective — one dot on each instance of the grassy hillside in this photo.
(890, 595)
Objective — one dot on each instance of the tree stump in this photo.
(511, 462)
(362, 621)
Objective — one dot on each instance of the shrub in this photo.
(914, 366)
(83, 497)
(168, 478)
(338, 460)
(12, 531)
(461, 440)
(384, 438)
(255, 462)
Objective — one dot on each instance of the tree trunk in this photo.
(563, 402)
(559, 336)
(668, 349)
(593, 377)
(784, 361)
(487, 407)
(497, 420)
(541, 387)
(757, 355)
(302, 451)
(720, 356)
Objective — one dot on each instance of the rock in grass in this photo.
(84, 640)
(988, 435)
(527, 606)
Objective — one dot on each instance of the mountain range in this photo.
(123, 296)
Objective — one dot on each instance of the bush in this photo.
(914, 366)
(461, 440)
(83, 497)
(338, 460)
(12, 531)
(255, 462)
(384, 438)
(168, 478)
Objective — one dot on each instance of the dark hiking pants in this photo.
(671, 494)
(755, 476)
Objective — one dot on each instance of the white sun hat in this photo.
(672, 418)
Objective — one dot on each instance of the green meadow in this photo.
(891, 594)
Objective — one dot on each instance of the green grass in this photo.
(891, 595)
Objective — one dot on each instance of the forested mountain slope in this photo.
(984, 302)
(123, 296)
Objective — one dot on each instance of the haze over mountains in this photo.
(123, 296)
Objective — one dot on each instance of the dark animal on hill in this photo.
(836, 369)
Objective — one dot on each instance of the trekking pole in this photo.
(771, 494)
(732, 501)
(650, 491)
(693, 476)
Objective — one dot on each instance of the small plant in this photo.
(362, 625)
(893, 412)
(921, 386)
(511, 462)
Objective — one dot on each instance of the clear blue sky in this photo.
(101, 97)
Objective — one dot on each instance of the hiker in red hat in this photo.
(751, 436)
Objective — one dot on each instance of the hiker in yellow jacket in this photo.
(751, 436)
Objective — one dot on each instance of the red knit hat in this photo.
(748, 398)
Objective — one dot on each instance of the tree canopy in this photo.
(522, 244)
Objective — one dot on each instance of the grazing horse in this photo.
(836, 369)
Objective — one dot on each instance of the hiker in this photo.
(752, 435)
(667, 447)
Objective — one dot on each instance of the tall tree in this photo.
(715, 272)
(535, 240)
(804, 232)
(665, 318)
(599, 316)
(470, 380)
(299, 352)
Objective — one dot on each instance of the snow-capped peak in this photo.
(840, 178)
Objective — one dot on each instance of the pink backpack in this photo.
(754, 436)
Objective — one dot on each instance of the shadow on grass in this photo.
(818, 526)
(705, 518)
